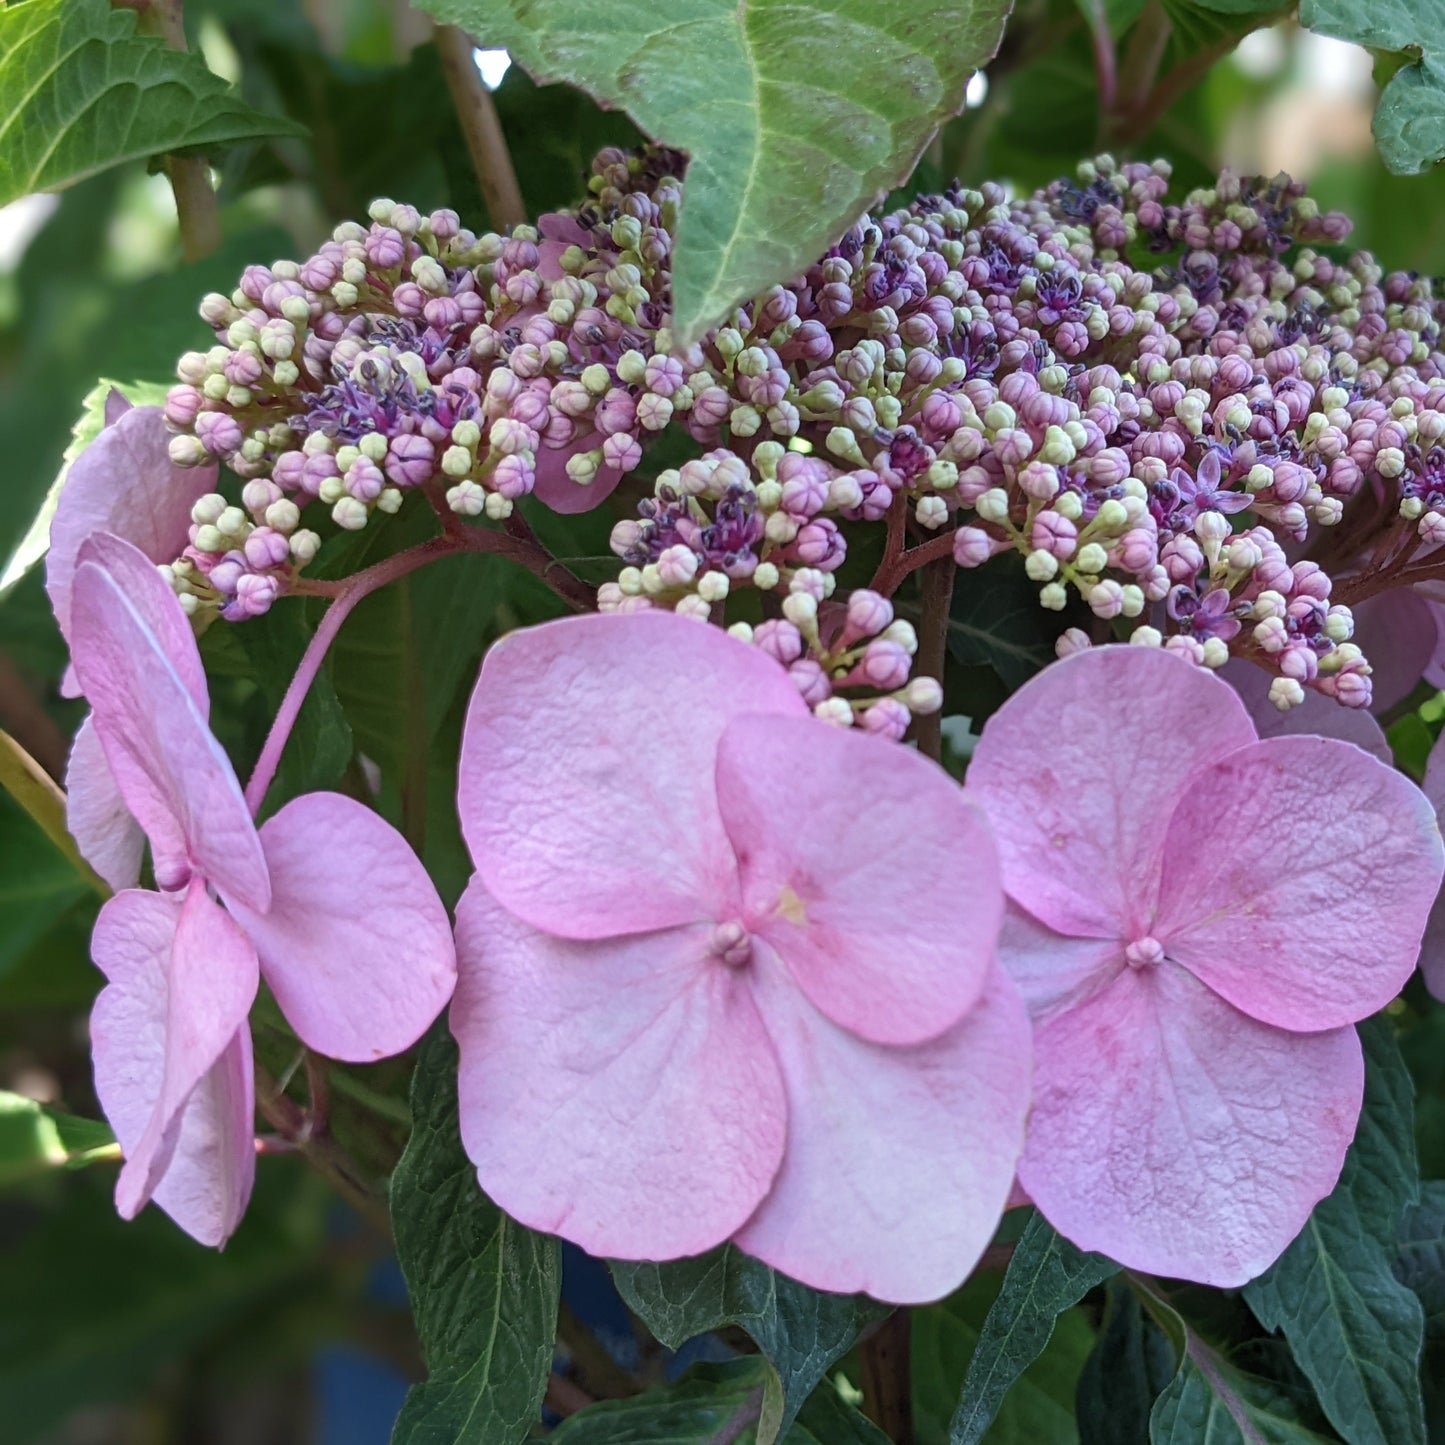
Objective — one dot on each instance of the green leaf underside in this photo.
(1356, 1331)
(1045, 1277)
(483, 1289)
(801, 1331)
(715, 1405)
(1409, 120)
(80, 92)
(797, 114)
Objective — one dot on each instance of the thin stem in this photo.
(294, 1124)
(197, 213)
(893, 543)
(481, 127)
(933, 649)
(1104, 64)
(359, 586)
(892, 571)
(886, 1378)
(1142, 58)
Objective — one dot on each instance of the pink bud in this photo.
(972, 546)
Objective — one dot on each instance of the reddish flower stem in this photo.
(893, 569)
(357, 587)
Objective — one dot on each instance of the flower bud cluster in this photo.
(1166, 406)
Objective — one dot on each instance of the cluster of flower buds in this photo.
(1180, 412)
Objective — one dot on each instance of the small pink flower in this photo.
(1197, 919)
(710, 985)
(324, 900)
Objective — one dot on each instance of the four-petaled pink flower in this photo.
(727, 972)
(1197, 919)
(325, 901)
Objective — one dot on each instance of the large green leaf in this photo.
(1420, 1256)
(35, 1140)
(1210, 1403)
(1355, 1329)
(484, 1290)
(797, 114)
(80, 91)
(715, 1405)
(1130, 1367)
(1410, 114)
(1038, 1410)
(801, 1331)
(37, 883)
(1045, 1277)
(995, 620)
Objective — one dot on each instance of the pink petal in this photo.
(1435, 672)
(109, 839)
(1317, 714)
(156, 605)
(1396, 630)
(1298, 878)
(1432, 952)
(192, 973)
(172, 773)
(1079, 771)
(207, 1185)
(555, 489)
(899, 1161)
(116, 405)
(1051, 970)
(356, 945)
(825, 823)
(1179, 1136)
(586, 790)
(124, 483)
(620, 1093)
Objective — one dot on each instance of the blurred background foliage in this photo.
(298, 1334)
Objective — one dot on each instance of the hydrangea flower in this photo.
(1432, 954)
(325, 901)
(1197, 919)
(727, 972)
(1314, 714)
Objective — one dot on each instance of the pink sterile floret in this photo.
(1432, 954)
(123, 483)
(1197, 917)
(727, 972)
(325, 901)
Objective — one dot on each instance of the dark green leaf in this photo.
(1410, 114)
(484, 1290)
(1038, 1410)
(35, 1140)
(1356, 1331)
(711, 1403)
(37, 883)
(801, 1331)
(995, 620)
(1210, 1403)
(1420, 1258)
(80, 92)
(1131, 1364)
(1045, 1277)
(797, 114)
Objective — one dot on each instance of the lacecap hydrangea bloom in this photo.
(1197, 917)
(727, 972)
(325, 901)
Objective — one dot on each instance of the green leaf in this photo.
(1038, 1410)
(37, 883)
(80, 92)
(801, 1331)
(1045, 1277)
(1210, 1403)
(1131, 1365)
(796, 114)
(1420, 1254)
(1410, 113)
(41, 798)
(995, 620)
(710, 1403)
(1355, 1330)
(35, 1140)
(715, 1405)
(484, 1290)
